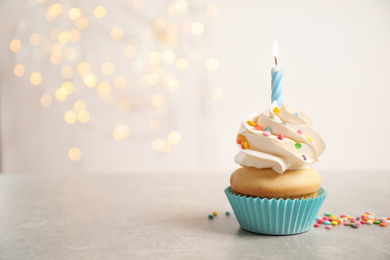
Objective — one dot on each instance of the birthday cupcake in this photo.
(276, 191)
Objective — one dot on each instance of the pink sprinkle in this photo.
(320, 221)
(267, 133)
(325, 218)
(316, 225)
(299, 131)
(280, 137)
(328, 227)
(346, 223)
(363, 222)
(353, 220)
(343, 216)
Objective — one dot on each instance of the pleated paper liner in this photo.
(275, 217)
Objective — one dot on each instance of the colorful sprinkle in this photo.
(251, 123)
(351, 224)
(296, 114)
(326, 218)
(346, 223)
(267, 128)
(215, 213)
(243, 146)
(246, 145)
(280, 137)
(327, 222)
(317, 218)
(369, 222)
(317, 225)
(298, 145)
(283, 123)
(211, 216)
(320, 221)
(239, 141)
(304, 157)
(377, 222)
(267, 133)
(327, 214)
(276, 110)
(258, 127)
(363, 222)
(328, 227)
(299, 131)
(334, 223)
(353, 220)
(355, 225)
(340, 221)
(227, 213)
(343, 216)
(311, 140)
(383, 224)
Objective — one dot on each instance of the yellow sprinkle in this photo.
(215, 213)
(365, 214)
(246, 145)
(348, 217)
(311, 140)
(251, 123)
(335, 223)
(276, 110)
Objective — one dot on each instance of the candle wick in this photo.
(276, 61)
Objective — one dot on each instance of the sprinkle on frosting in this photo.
(251, 123)
(299, 131)
(298, 145)
(276, 110)
(267, 128)
(259, 127)
(266, 133)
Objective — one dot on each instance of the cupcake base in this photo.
(275, 217)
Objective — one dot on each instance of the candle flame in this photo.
(275, 50)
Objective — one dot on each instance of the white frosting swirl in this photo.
(272, 152)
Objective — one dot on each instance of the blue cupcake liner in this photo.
(275, 217)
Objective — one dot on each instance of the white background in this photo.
(335, 56)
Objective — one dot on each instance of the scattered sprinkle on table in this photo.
(368, 218)
(215, 213)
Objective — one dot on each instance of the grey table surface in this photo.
(165, 217)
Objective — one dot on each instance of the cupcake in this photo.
(277, 191)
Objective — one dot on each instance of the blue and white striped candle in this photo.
(277, 74)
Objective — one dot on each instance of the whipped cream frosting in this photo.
(290, 144)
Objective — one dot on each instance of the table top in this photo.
(166, 216)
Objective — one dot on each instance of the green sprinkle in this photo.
(351, 224)
(211, 216)
(377, 222)
(298, 145)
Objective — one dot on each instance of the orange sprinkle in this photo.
(259, 127)
(238, 141)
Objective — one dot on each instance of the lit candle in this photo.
(276, 73)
